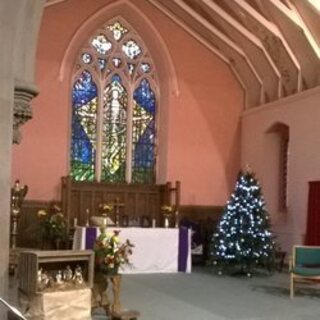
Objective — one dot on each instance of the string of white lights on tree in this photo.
(243, 237)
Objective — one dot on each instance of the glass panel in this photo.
(145, 67)
(101, 44)
(102, 63)
(84, 120)
(116, 62)
(143, 148)
(131, 68)
(86, 58)
(114, 132)
(118, 30)
(131, 49)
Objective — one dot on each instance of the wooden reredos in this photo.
(138, 202)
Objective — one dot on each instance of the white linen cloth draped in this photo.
(156, 249)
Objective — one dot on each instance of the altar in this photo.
(157, 250)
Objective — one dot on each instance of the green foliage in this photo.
(110, 254)
(81, 171)
(52, 224)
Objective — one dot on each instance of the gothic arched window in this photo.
(114, 100)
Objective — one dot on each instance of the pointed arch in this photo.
(167, 79)
(116, 127)
(278, 135)
(124, 9)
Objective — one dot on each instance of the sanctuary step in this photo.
(126, 315)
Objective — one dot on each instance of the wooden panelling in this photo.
(136, 201)
(29, 235)
(196, 212)
(139, 202)
(204, 220)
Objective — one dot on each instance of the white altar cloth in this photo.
(157, 250)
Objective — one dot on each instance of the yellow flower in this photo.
(167, 209)
(106, 207)
(41, 213)
(60, 215)
(116, 239)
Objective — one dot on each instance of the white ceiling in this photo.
(272, 46)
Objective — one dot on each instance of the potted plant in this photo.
(53, 227)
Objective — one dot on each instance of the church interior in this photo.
(140, 114)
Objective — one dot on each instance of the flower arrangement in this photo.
(166, 209)
(52, 224)
(105, 208)
(110, 254)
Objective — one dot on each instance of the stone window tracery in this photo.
(114, 107)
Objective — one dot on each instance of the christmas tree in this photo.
(243, 238)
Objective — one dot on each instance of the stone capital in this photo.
(22, 112)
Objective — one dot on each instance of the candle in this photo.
(75, 222)
(166, 222)
(88, 214)
(153, 223)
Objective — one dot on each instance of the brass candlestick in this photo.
(167, 214)
(105, 209)
(18, 194)
(117, 206)
(87, 217)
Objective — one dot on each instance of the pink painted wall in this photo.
(301, 113)
(200, 128)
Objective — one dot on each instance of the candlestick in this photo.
(176, 225)
(104, 221)
(166, 222)
(87, 213)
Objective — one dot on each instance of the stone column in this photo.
(7, 33)
(19, 25)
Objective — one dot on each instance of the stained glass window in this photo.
(143, 133)
(101, 44)
(114, 131)
(84, 131)
(131, 49)
(114, 108)
(118, 30)
(102, 63)
(145, 67)
(116, 62)
(86, 58)
(131, 68)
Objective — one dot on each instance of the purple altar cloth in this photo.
(91, 236)
(183, 249)
(183, 245)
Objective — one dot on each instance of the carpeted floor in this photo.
(203, 295)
